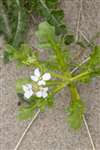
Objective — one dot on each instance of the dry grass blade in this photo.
(89, 134)
(26, 130)
(78, 21)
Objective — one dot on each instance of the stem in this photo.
(82, 63)
(74, 92)
(55, 75)
(80, 76)
(59, 88)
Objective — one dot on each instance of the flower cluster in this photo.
(40, 90)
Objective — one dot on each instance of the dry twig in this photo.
(26, 130)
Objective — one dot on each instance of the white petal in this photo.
(46, 76)
(39, 94)
(24, 88)
(41, 82)
(45, 89)
(27, 87)
(37, 72)
(28, 94)
(44, 94)
(34, 78)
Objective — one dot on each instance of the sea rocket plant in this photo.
(38, 92)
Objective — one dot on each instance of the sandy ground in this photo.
(50, 131)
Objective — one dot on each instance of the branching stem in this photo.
(79, 76)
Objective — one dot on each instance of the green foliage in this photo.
(13, 21)
(2, 25)
(58, 14)
(76, 112)
(23, 55)
(69, 39)
(46, 34)
(52, 35)
(51, 13)
(42, 6)
(9, 53)
(94, 58)
(25, 112)
(21, 28)
(17, 13)
(48, 39)
(91, 69)
(28, 110)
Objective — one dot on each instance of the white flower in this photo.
(42, 93)
(40, 79)
(28, 90)
(40, 90)
(36, 75)
(46, 76)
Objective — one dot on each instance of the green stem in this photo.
(56, 75)
(78, 77)
(59, 88)
(74, 92)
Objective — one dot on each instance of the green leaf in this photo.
(23, 55)
(94, 58)
(92, 68)
(76, 111)
(14, 21)
(25, 113)
(58, 14)
(9, 53)
(45, 33)
(52, 3)
(2, 26)
(50, 101)
(61, 29)
(69, 39)
(52, 14)
(31, 60)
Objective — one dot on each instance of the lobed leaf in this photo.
(23, 55)
(94, 57)
(25, 112)
(76, 111)
(45, 34)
